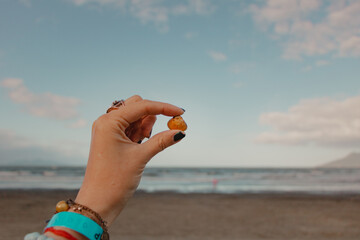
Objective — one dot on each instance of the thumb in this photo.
(161, 141)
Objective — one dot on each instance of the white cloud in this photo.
(190, 35)
(351, 46)
(150, 11)
(336, 30)
(156, 12)
(217, 56)
(321, 121)
(19, 150)
(119, 3)
(201, 6)
(46, 104)
(180, 10)
(307, 68)
(9, 140)
(80, 123)
(239, 67)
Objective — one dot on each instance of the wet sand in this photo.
(174, 216)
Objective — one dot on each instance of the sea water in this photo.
(198, 180)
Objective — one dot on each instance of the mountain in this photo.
(350, 161)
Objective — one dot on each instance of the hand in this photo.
(116, 160)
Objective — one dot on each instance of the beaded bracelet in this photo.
(88, 212)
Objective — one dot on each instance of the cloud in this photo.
(9, 140)
(150, 11)
(156, 12)
(190, 35)
(80, 123)
(319, 121)
(351, 46)
(239, 67)
(307, 68)
(201, 7)
(46, 104)
(335, 31)
(217, 56)
(118, 3)
(19, 150)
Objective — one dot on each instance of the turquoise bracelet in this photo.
(77, 222)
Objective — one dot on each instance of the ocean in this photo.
(198, 180)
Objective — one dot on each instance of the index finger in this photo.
(137, 110)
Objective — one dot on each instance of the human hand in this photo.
(116, 160)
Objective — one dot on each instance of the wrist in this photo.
(78, 223)
(73, 233)
(96, 204)
(101, 202)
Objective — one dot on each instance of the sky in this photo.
(265, 83)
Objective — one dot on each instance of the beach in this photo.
(174, 216)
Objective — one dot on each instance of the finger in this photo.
(132, 99)
(146, 107)
(140, 129)
(133, 132)
(161, 141)
(147, 125)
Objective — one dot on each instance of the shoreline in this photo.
(240, 193)
(168, 215)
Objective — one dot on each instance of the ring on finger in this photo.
(115, 105)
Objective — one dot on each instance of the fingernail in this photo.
(183, 109)
(179, 136)
(140, 141)
(150, 133)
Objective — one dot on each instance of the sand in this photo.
(174, 216)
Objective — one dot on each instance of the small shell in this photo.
(177, 123)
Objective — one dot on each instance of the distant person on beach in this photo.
(215, 182)
(116, 162)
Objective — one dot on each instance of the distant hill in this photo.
(350, 161)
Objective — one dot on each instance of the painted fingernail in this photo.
(179, 136)
(140, 141)
(183, 109)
